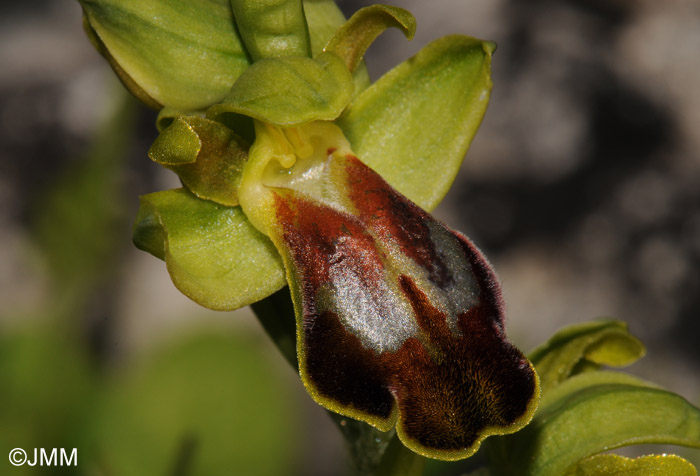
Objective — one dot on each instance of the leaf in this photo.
(352, 40)
(615, 465)
(289, 91)
(585, 346)
(593, 412)
(207, 156)
(414, 125)
(271, 28)
(183, 54)
(213, 254)
(213, 396)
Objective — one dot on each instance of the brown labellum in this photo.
(400, 319)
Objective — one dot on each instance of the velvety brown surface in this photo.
(449, 387)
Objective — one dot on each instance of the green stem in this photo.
(366, 444)
(400, 461)
(276, 314)
(185, 456)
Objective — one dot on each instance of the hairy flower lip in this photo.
(399, 319)
(380, 336)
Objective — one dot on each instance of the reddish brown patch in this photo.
(319, 237)
(336, 361)
(394, 218)
(478, 381)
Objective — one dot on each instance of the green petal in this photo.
(271, 28)
(591, 413)
(290, 90)
(207, 156)
(414, 125)
(616, 465)
(182, 54)
(352, 40)
(324, 18)
(213, 254)
(585, 346)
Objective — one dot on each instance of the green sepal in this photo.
(414, 125)
(324, 18)
(206, 155)
(122, 75)
(352, 39)
(272, 28)
(583, 347)
(594, 412)
(213, 254)
(616, 465)
(290, 90)
(177, 53)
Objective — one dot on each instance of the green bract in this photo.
(615, 465)
(582, 347)
(585, 411)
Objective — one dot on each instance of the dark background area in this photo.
(582, 185)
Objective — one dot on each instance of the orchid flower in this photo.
(297, 172)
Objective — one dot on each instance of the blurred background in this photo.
(582, 187)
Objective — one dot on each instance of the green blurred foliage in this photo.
(79, 219)
(207, 404)
(197, 404)
(46, 392)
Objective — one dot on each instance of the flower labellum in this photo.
(399, 319)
